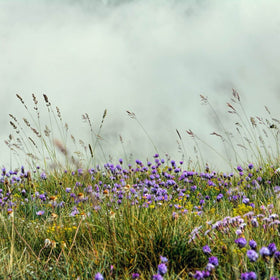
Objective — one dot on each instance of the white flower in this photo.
(47, 242)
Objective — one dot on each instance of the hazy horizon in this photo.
(153, 58)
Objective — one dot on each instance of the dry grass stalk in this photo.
(13, 125)
(190, 133)
(253, 122)
(26, 122)
(131, 114)
(46, 100)
(58, 113)
(36, 132)
(33, 142)
(60, 146)
(90, 149)
(47, 131)
(178, 134)
(235, 94)
(242, 146)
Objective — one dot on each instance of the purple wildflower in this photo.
(163, 259)
(206, 273)
(253, 244)
(277, 256)
(264, 251)
(249, 276)
(193, 188)
(198, 275)
(40, 213)
(252, 255)
(214, 260)
(219, 196)
(238, 232)
(43, 176)
(254, 222)
(241, 242)
(157, 277)
(74, 212)
(250, 166)
(245, 200)
(210, 267)
(135, 275)
(162, 268)
(98, 276)
(252, 275)
(239, 168)
(206, 249)
(272, 248)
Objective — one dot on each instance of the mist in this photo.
(153, 58)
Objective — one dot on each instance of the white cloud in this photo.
(151, 57)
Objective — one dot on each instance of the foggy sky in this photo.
(153, 58)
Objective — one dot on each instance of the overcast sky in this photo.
(153, 58)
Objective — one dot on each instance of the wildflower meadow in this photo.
(65, 216)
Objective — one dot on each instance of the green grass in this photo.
(73, 219)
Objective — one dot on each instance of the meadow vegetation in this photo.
(66, 217)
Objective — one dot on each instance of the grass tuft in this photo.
(69, 218)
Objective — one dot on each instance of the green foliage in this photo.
(65, 222)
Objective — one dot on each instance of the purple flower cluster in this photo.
(241, 242)
(206, 249)
(162, 269)
(98, 276)
(249, 276)
(135, 275)
(212, 263)
(252, 255)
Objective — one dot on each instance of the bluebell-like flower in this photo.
(214, 260)
(98, 276)
(219, 196)
(277, 256)
(254, 222)
(40, 212)
(162, 268)
(157, 277)
(239, 168)
(252, 275)
(264, 251)
(198, 275)
(252, 255)
(250, 166)
(241, 242)
(253, 244)
(43, 176)
(135, 275)
(163, 259)
(272, 248)
(249, 276)
(206, 249)
(210, 267)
